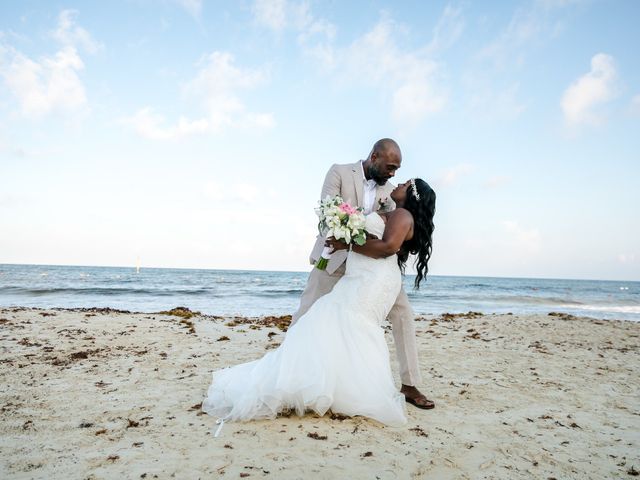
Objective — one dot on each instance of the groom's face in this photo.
(384, 165)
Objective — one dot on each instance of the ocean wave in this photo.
(479, 285)
(528, 299)
(488, 299)
(608, 308)
(273, 293)
(101, 291)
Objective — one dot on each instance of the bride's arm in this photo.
(399, 228)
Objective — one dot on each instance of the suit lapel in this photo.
(379, 197)
(358, 183)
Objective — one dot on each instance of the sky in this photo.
(197, 134)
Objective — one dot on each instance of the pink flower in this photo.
(348, 209)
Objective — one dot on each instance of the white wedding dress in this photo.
(335, 356)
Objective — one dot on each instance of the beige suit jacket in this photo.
(348, 182)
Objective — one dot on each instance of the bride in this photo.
(335, 356)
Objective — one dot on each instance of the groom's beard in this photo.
(376, 176)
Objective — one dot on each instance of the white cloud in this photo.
(409, 76)
(635, 105)
(549, 4)
(526, 239)
(193, 7)
(11, 35)
(148, 124)
(271, 13)
(215, 90)
(216, 84)
(316, 38)
(537, 22)
(257, 120)
(529, 27)
(310, 27)
(592, 89)
(314, 34)
(278, 15)
(506, 48)
(497, 181)
(448, 29)
(490, 95)
(243, 192)
(20, 152)
(51, 83)
(627, 258)
(489, 103)
(452, 175)
(69, 34)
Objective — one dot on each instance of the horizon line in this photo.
(307, 271)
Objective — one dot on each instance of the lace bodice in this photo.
(377, 279)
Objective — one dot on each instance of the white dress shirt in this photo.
(369, 191)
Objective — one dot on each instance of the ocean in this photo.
(257, 293)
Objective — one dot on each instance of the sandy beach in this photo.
(101, 394)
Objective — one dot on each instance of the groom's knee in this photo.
(402, 311)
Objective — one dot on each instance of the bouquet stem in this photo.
(323, 261)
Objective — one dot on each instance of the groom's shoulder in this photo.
(345, 167)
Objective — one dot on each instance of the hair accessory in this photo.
(415, 189)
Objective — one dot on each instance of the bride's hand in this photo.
(335, 244)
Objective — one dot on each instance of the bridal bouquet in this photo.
(341, 221)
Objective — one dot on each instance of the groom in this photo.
(365, 184)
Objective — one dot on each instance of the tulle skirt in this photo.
(335, 357)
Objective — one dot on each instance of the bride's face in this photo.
(399, 194)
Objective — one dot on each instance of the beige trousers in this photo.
(401, 316)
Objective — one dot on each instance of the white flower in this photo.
(335, 222)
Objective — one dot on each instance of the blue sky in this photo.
(197, 134)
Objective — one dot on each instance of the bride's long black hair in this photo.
(420, 244)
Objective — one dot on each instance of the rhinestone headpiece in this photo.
(415, 189)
